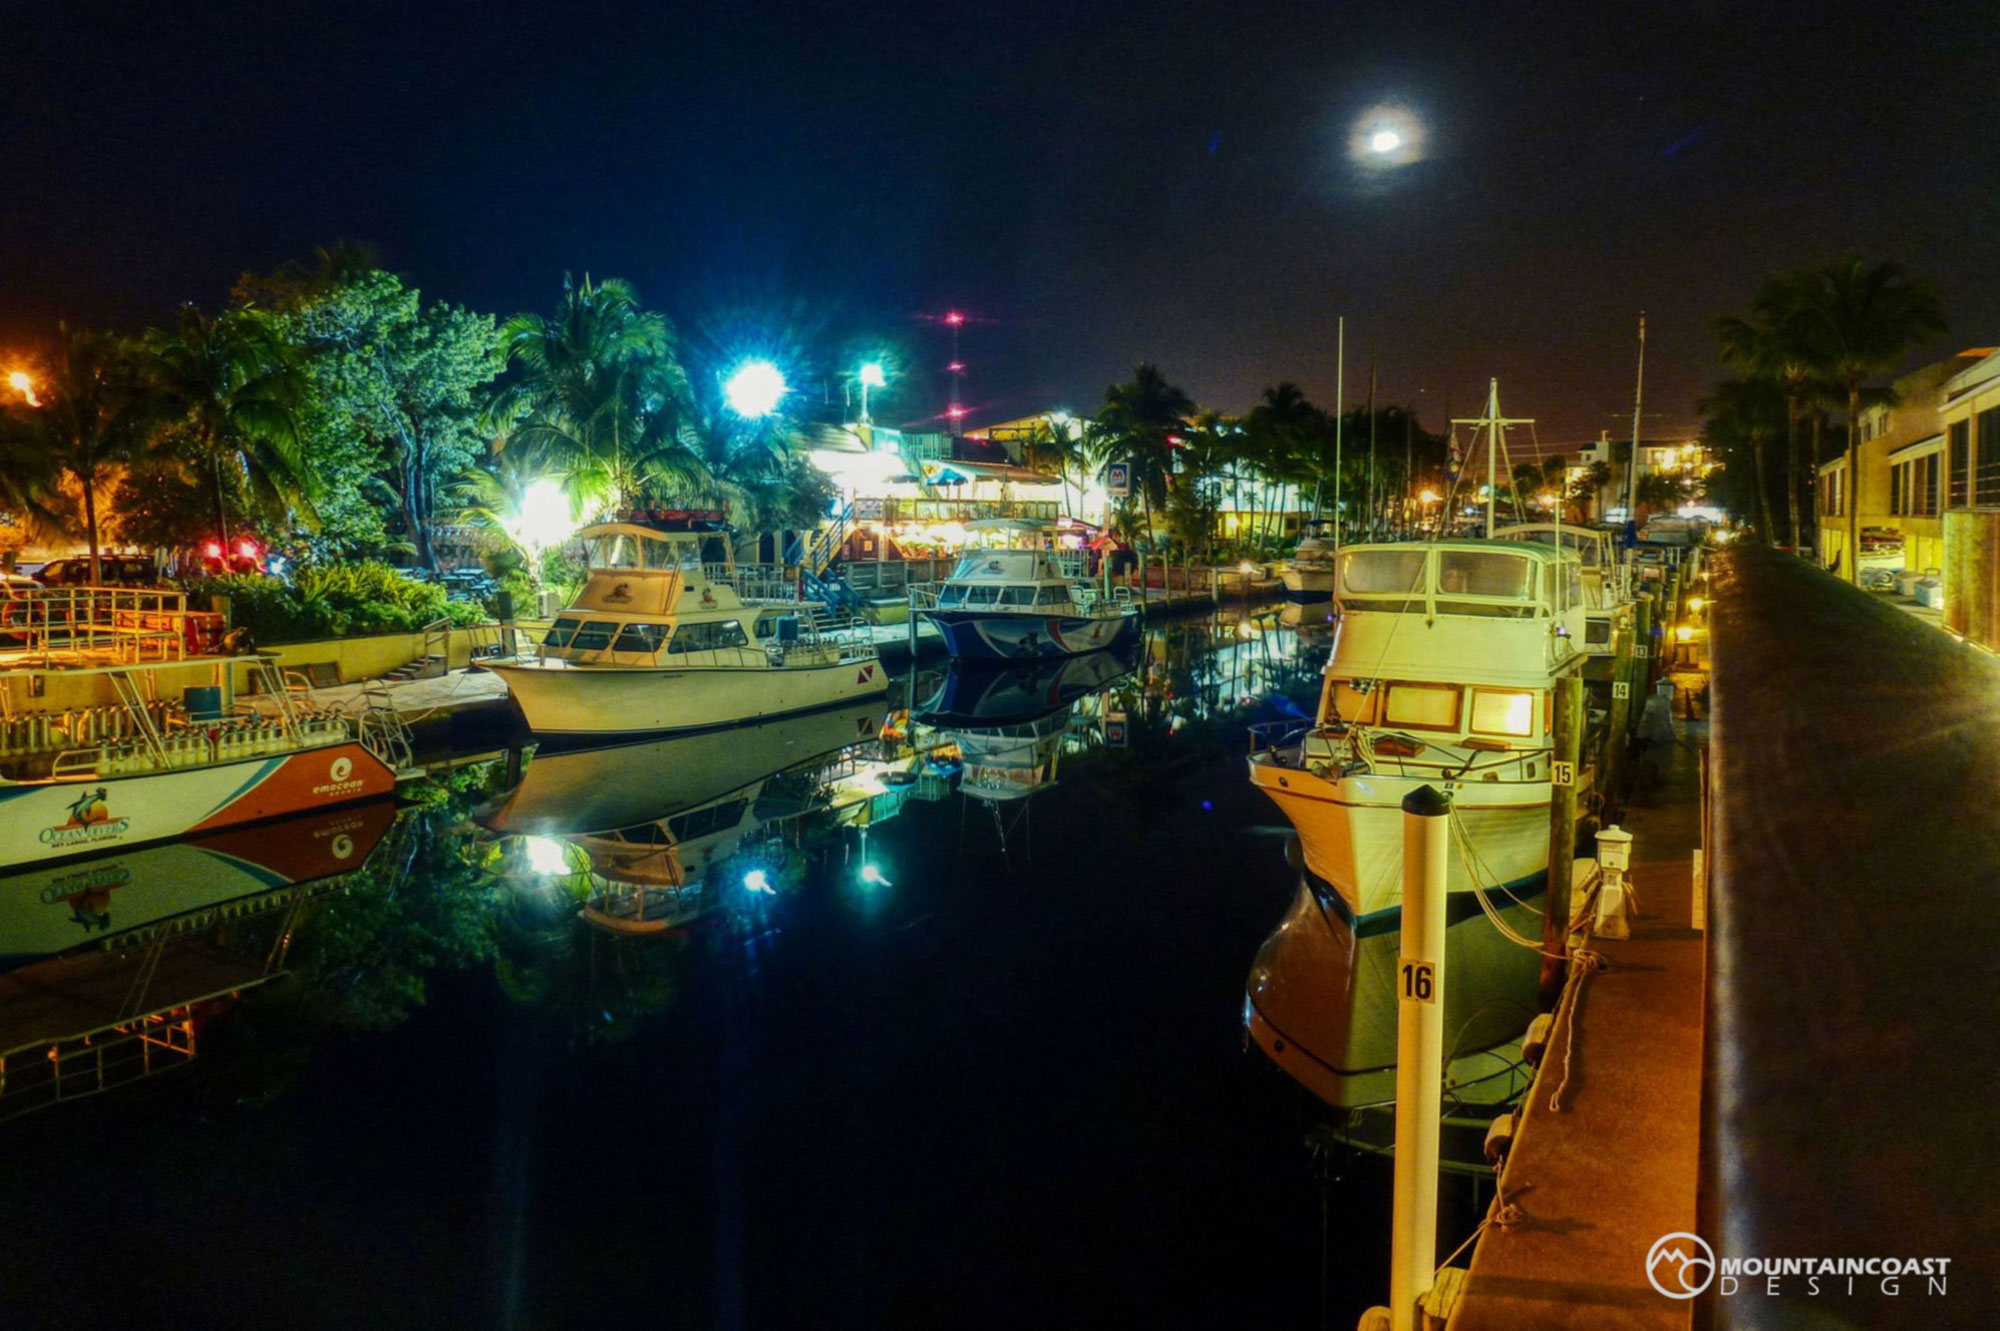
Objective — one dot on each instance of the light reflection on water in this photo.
(732, 911)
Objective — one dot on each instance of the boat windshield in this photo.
(996, 565)
(1484, 573)
(629, 550)
(1382, 572)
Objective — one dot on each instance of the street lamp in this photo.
(755, 389)
(21, 383)
(871, 377)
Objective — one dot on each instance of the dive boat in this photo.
(658, 641)
(1309, 575)
(168, 771)
(1015, 602)
(1442, 673)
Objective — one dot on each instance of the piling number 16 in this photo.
(1420, 981)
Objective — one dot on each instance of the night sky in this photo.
(1094, 185)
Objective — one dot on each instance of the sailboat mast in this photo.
(1492, 452)
(1638, 396)
(1339, 410)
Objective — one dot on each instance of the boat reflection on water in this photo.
(641, 832)
(1010, 727)
(1309, 617)
(111, 965)
(1321, 1003)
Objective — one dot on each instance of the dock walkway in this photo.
(1596, 1180)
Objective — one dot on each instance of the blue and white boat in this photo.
(1018, 603)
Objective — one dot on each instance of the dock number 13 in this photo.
(1420, 981)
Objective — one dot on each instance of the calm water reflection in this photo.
(846, 1019)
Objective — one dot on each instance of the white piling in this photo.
(1419, 1053)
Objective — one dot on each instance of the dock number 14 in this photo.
(1420, 981)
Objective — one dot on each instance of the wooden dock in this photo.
(1608, 1150)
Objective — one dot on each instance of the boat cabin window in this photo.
(1382, 572)
(640, 638)
(594, 636)
(1484, 573)
(1503, 712)
(707, 637)
(560, 632)
(981, 595)
(1421, 706)
(1352, 705)
(629, 550)
(1017, 596)
(1052, 596)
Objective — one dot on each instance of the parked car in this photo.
(115, 571)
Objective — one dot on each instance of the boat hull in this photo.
(1308, 584)
(1321, 1001)
(559, 699)
(973, 635)
(50, 820)
(1351, 832)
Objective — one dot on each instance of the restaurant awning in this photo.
(956, 472)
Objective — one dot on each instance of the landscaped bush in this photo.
(348, 600)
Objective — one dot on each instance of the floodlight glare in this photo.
(872, 376)
(755, 389)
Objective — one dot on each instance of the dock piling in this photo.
(1419, 1053)
(1566, 749)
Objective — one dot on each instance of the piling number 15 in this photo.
(1420, 981)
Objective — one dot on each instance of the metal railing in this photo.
(127, 624)
(755, 584)
(200, 747)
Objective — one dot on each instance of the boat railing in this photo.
(1276, 737)
(923, 596)
(125, 623)
(199, 746)
(754, 584)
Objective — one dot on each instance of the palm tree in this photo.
(1291, 442)
(93, 416)
(1740, 413)
(1057, 442)
(1776, 343)
(601, 390)
(233, 388)
(1136, 420)
(1863, 319)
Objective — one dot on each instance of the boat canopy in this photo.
(1515, 579)
(1001, 566)
(1590, 543)
(628, 545)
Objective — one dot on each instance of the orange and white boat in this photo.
(169, 771)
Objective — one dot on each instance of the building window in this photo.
(1960, 464)
(1832, 495)
(1986, 468)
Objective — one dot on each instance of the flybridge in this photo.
(676, 519)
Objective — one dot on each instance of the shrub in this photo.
(346, 600)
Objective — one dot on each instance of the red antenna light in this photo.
(956, 367)
(955, 413)
(954, 318)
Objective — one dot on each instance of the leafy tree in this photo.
(393, 412)
(93, 416)
(232, 387)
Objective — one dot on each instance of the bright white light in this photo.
(1430, 496)
(25, 386)
(872, 875)
(547, 855)
(544, 519)
(871, 375)
(758, 881)
(1385, 136)
(755, 390)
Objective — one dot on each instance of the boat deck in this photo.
(1614, 1168)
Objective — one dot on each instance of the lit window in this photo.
(1498, 712)
(1422, 706)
